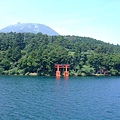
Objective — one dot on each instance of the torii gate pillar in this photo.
(66, 72)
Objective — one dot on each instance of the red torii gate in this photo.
(66, 72)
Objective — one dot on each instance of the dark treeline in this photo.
(26, 53)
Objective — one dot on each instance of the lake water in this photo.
(47, 98)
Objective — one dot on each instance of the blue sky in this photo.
(99, 19)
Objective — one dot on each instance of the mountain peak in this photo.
(29, 27)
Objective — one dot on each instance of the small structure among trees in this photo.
(102, 71)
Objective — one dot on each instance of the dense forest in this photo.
(28, 53)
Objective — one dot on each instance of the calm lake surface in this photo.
(47, 98)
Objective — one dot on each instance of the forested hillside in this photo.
(26, 53)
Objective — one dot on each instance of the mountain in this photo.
(29, 27)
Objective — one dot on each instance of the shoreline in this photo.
(35, 74)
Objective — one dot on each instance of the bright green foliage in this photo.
(24, 53)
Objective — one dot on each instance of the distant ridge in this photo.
(29, 27)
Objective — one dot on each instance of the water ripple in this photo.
(45, 98)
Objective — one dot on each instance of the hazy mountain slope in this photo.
(29, 27)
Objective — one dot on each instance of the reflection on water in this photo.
(57, 77)
(65, 77)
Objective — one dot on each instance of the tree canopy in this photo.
(25, 53)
